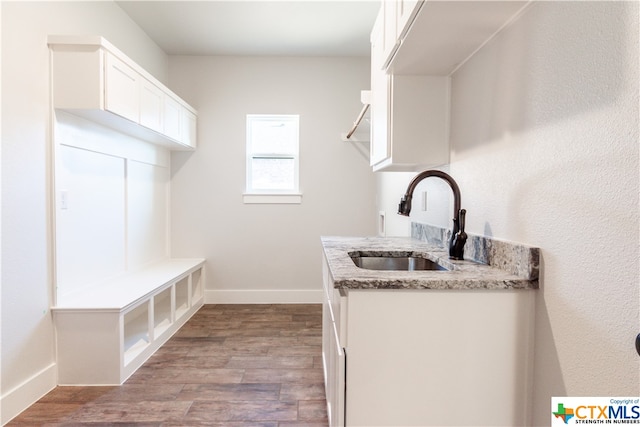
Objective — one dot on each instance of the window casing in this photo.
(272, 155)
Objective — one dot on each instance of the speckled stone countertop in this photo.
(461, 275)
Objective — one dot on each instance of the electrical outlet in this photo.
(424, 201)
(64, 200)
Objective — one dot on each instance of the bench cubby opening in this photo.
(136, 331)
(162, 312)
(182, 297)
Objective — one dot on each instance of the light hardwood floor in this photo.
(230, 365)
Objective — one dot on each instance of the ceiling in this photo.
(263, 27)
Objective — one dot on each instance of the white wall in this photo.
(115, 217)
(273, 251)
(28, 363)
(438, 210)
(544, 146)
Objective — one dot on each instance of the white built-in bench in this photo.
(106, 332)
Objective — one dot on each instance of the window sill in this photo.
(276, 199)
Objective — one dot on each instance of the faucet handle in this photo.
(456, 247)
(404, 208)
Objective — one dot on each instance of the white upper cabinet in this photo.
(415, 46)
(409, 116)
(409, 130)
(172, 119)
(151, 106)
(122, 89)
(95, 80)
(189, 126)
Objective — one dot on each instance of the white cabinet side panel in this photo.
(78, 79)
(172, 118)
(88, 348)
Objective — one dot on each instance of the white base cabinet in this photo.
(104, 334)
(427, 357)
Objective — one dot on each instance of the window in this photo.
(272, 159)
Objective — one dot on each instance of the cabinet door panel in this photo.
(122, 93)
(335, 383)
(172, 118)
(151, 98)
(188, 128)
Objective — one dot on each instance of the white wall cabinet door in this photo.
(189, 128)
(151, 106)
(122, 89)
(172, 118)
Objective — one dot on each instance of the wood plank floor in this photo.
(230, 365)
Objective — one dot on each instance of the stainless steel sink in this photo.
(400, 263)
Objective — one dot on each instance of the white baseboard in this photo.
(26, 394)
(262, 296)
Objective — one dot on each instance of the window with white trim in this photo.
(272, 157)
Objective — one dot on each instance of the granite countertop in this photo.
(461, 275)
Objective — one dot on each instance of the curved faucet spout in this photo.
(458, 236)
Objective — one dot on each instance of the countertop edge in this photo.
(464, 275)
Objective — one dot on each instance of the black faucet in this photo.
(458, 236)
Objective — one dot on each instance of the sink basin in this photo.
(401, 263)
